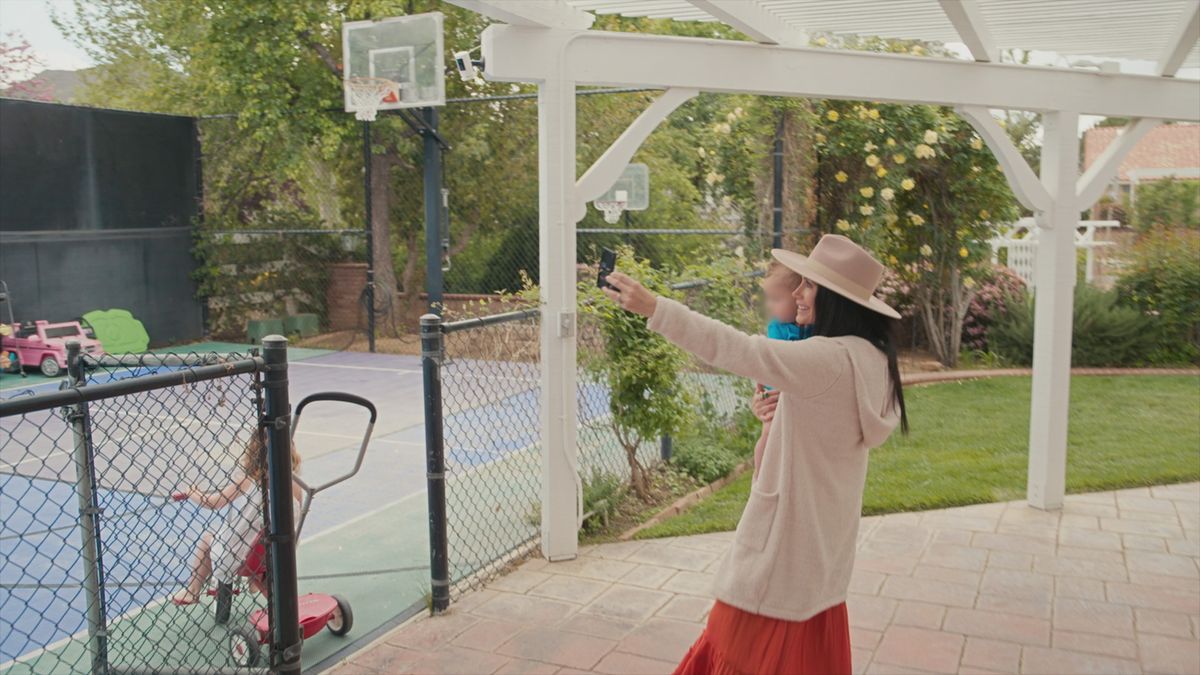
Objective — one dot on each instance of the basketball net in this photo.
(367, 93)
(611, 210)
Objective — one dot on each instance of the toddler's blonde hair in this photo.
(777, 270)
(254, 459)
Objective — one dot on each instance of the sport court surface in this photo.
(375, 521)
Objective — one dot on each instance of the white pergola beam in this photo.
(1092, 183)
(540, 13)
(520, 54)
(1025, 184)
(1187, 32)
(969, 23)
(750, 18)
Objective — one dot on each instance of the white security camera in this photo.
(468, 70)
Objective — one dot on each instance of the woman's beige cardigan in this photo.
(794, 548)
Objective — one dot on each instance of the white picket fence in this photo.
(1021, 241)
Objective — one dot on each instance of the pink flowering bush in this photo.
(1000, 286)
(895, 291)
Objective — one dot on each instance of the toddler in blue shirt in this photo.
(778, 286)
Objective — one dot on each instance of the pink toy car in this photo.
(44, 344)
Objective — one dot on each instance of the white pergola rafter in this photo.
(752, 20)
(546, 49)
(1181, 42)
(972, 28)
(530, 13)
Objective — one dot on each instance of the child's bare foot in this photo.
(186, 597)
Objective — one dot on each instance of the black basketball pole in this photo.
(433, 211)
(366, 126)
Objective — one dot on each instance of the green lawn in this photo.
(968, 445)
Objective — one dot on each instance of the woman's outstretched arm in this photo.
(806, 368)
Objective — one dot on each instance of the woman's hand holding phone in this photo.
(630, 295)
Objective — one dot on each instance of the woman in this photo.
(781, 589)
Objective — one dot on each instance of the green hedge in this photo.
(1162, 280)
(1104, 332)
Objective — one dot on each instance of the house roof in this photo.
(1170, 146)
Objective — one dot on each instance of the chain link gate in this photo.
(108, 490)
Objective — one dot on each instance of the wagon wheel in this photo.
(343, 619)
(243, 647)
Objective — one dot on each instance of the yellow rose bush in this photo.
(929, 202)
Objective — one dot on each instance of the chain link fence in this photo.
(122, 493)
(483, 389)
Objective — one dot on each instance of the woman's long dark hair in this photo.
(839, 317)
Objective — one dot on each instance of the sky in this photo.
(31, 18)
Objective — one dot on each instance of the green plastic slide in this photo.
(118, 331)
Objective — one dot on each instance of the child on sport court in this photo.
(220, 554)
(778, 286)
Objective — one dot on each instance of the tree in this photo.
(1168, 202)
(18, 69)
(271, 66)
(642, 370)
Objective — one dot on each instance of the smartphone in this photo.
(608, 262)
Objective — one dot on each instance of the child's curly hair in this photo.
(254, 459)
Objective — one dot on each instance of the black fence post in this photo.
(89, 516)
(286, 639)
(777, 189)
(665, 445)
(432, 350)
(366, 127)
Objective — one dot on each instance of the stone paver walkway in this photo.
(1111, 584)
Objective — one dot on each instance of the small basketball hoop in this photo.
(611, 210)
(611, 205)
(367, 93)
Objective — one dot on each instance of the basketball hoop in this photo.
(612, 204)
(611, 209)
(366, 93)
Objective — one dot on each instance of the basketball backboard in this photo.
(631, 192)
(400, 57)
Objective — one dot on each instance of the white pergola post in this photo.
(556, 254)
(1054, 276)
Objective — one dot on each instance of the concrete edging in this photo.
(690, 499)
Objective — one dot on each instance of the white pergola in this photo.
(548, 42)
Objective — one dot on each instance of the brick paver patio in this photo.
(1109, 584)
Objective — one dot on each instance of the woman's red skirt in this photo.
(740, 643)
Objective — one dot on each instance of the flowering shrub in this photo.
(991, 300)
(917, 186)
(895, 291)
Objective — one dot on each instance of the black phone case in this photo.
(608, 262)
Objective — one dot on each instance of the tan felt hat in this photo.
(843, 267)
